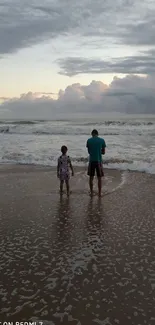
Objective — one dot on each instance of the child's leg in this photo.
(67, 186)
(61, 186)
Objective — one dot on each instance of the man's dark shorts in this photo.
(95, 167)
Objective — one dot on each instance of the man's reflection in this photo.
(94, 215)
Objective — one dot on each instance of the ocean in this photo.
(130, 141)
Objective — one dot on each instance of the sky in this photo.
(76, 56)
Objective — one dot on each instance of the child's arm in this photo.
(71, 167)
(58, 169)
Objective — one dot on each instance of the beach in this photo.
(77, 260)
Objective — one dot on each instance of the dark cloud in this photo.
(142, 64)
(140, 33)
(21, 25)
(131, 94)
(24, 23)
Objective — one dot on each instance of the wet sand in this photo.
(78, 260)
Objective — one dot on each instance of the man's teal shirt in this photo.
(95, 146)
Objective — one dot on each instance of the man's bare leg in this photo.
(99, 186)
(91, 178)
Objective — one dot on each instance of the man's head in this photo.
(64, 150)
(94, 133)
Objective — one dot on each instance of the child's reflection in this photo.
(63, 216)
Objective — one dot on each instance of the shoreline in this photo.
(79, 183)
(76, 167)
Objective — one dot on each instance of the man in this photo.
(96, 148)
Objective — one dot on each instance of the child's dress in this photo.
(64, 162)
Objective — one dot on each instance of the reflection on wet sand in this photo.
(77, 260)
(94, 214)
(63, 219)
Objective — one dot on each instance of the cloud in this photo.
(131, 94)
(4, 98)
(36, 95)
(25, 23)
(139, 64)
(141, 33)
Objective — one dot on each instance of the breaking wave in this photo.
(4, 129)
(111, 163)
(14, 130)
(130, 143)
(105, 161)
(24, 122)
(121, 123)
(20, 122)
(100, 123)
(66, 131)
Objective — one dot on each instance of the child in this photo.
(64, 162)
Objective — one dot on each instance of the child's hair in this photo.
(64, 149)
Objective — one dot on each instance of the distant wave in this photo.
(67, 132)
(19, 122)
(120, 123)
(136, 123)
(14, 130)
(71, 132)
(25, 122)
(99, 123)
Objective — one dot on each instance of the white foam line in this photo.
(124, 177)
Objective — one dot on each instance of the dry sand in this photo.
(78, 260)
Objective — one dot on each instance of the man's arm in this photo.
(103, 147)
(87, 147)
(103, 150)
